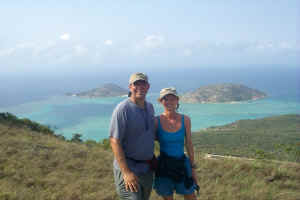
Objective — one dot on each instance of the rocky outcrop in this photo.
(222, 93)
(107, 90)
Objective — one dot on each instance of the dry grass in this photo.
(35, 166)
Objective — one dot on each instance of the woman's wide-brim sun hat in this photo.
(166, 91)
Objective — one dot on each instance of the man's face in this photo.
(139, 89)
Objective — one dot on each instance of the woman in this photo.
(175, 171)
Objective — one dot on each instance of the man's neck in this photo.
(139, 102)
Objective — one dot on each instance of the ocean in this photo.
(91, 117)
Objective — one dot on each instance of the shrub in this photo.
(12, 120)
(76, 138)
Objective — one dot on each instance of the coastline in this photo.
(91, 116)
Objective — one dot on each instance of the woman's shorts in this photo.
(165, 186)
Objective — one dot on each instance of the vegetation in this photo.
(275, 138)
(40, 166)
(37, 165)
(12, 120)
(222, 93)
(107, 90)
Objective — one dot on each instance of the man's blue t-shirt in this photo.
(134, 128)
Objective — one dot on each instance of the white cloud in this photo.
(153, 41)
(80, 50)
(265, 45)
(108, 42)
(7, 52)
(63, 59)
(65, 36)
(151, 47)
(25, 45)
(187, 52)
(286, 45)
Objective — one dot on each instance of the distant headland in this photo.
(106, 90)
(222, 93)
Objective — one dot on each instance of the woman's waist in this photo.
(172, 151)
(172, 155)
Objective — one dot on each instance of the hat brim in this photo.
(161, 97)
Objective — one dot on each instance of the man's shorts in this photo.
(144, 186)
(165, 186)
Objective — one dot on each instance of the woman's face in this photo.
(169, 102)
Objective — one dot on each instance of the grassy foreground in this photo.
(34, 166)
(41, 166)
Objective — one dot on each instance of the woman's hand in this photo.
(194, 175)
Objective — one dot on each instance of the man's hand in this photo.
(131, 181)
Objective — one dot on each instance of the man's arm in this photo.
(130, 179)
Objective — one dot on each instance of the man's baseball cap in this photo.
(137, 77)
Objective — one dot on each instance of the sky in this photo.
(81, 44)
(44, 37)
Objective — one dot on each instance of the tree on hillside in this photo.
(76, 138)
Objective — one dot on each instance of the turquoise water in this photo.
(91, 117)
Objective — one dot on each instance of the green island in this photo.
(37, 164)
(222, 93)
(106, 90)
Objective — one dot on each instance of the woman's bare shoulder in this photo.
(186, 118)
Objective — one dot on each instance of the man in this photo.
(132, 141)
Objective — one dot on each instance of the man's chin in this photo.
(140, 96)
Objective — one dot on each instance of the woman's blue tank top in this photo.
(171, 144)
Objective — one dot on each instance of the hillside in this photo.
(107, 90)
(37, 165)
(222, 93)
(273, 138)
